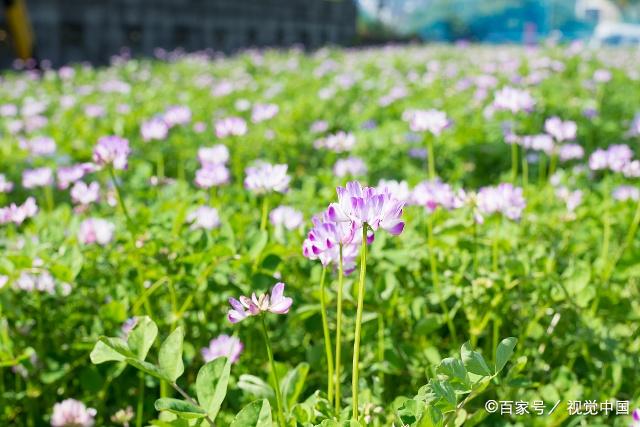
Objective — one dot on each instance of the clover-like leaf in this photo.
(142, 337)
(255, 414)
(170, 356)
(211, 385)
(473, 361)
(181, 408)
(504, 352)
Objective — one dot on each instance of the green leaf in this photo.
(255, 386)
(179, 407)
(103, 352)
(455, 372)
(170, 357)
(504, 352)
(257, 243)
(211, 385)
(255, 414)
(147, 367)
(473, 361)
(142, 337)
(293, 383)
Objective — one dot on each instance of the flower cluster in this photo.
(18, 213)
(262, 112)
(39, 177)
(433, 121)
(353, 166)
(213, 170)
(504, 199)
(72, 413)
(223, 346)
(264, 177)
(572, 199)
(338, 142)
(434, 194)
(5, 185)
(112, 151)
(561, 130)
(514, 100)
(616, 158)
(623, 193)
(230, 126)
(67, 175)
(36, 282)
(274, 302)
(203, 217)
(39, 145)
(95, 230)
(84, 194)
(286, 216)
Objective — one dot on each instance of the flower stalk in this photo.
(327, 336)
(277, 391)
(339, 331)
(358, 331)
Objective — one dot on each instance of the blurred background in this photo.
(64, 31)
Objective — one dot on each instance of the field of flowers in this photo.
(393, 236)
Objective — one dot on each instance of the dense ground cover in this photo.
(136, 202)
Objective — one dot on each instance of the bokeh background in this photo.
(65, 31)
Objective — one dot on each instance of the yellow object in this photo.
(20, 28)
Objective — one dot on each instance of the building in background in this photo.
(93, 30)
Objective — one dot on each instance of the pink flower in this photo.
(353, 166)
(262, 112)
(264, 177)
(112, 150)
(559, 130)
(338, 142)
(177, 115)
(5, 186)
(286, 216)
(17, 214)
(94, 230)
(400, 189)
(154, 129)
(216, 155)
(366, 205)
(571, 198)
(571, 152)
(39, 146)
(434, 194)
(432, 121)
(626, 192)
(212, 175)
(84, 194)
(505, 199)
(275, 302)
(204, 217)
(615, 158)
(70, 174)
(231, 126)
(223, 346)
(72, 413)
(40, 177)
(514, 100)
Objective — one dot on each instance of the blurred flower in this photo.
(204, 217)
(177, 115)
(72, 413)
(275, 302)
(3, 280)
(319, 126)
(615, 158)
(434, 194)
(338, 142)
(223, 346)
(541, 142)
(123, 416)
(636, 418)
(286, 216)
(230, 126)
(154, 129)
(400, 189)
(432, 121)
(559, 130)
(571, 198)
(264, 177)
(570, 152)
(95, 230)
(359, 205)
(39, 145)
(67, 175)
(504, 198)
(94, 111)
(17, 214)
(634, 129)
(40, 282)
(626, 192)
(353, 166)
(216, 155)
(262, 112)
(40, 177)
(5, 186)
(601, 75)
(632, 169)
(212, 175)
(84, 194)
(128, 326)
(514, 100)
(112, 150)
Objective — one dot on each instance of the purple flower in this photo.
(359, 205)
(338, 142)
(602, 75)
(72, 413)
(505, 199)
(262, 112)
(204, 217)
(571, 198)
(275, 302)
(353, 166)
(95, 230)
(541, 142)
(128, 326)
(37, 282)
(112, 150)
(319, 126)
(632, 169)
(614, 158)
(514, 100)
(39, 146)
(636, 418)
(17, 214)
(434, 194)
(400, 189)
(223, 346)
(216, 155)
(623, 193)
(634, 129)
(559, 130)
(286, 216)
(154, 129)
(212, 175)
(40, 177)
(84, 194)
(230, 126)
(5, 186)
(177, 115)
(69, 174)
(264, 177)
(570, 152)
(432, 121)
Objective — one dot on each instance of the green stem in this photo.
(160, 166)
(431, 161)
(542, 168)
(140, 409)
(358, 331)
(553, 164)
(48, 196)
(274, 372)
(265, 210)
(119, 197)
(435, 278)
(339, 332)
(180, 165)
(327, 337)
(631, 233)
(494, 255)
(514, 162)
(189, 399)
(525, 171)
